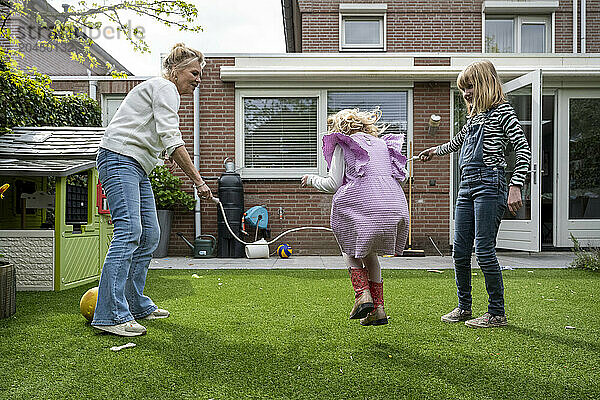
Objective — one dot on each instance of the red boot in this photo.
(377, 316)
(363, 302)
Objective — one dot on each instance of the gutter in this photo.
(384, 74)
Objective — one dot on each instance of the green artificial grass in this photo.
(285, 334)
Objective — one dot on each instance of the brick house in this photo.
(268, 111)
(53, 62)
(67, 75)
(404, 57)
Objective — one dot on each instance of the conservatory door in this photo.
(522, 231)
(578, 157)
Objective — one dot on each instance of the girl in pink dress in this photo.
(369, 214)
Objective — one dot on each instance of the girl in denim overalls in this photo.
(483, 195)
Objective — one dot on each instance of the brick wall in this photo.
(420, 26)
(307, 207)
(73, 86)
(217, 141)
(32, 253)
(564, 27)
(431, 187)
(593, 27)
(301, 207)
(415, 26)
(113, 86)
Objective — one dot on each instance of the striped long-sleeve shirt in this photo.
(500, 126)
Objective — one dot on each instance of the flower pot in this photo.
(164, 222)
(8, 290)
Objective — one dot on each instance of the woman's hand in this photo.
(204, 191)
(304, 181)
(427, 155)
(514, 199)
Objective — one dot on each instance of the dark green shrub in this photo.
(585, 258)
(78, 110)
(28, 100)
(167, 190)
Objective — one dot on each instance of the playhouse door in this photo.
(522, 232)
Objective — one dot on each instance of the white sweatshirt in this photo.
(146, 123)
(335, 176)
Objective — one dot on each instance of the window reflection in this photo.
(584, 162)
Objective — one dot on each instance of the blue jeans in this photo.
(481, 202)
(136, 233)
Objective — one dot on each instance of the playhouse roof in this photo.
(48, 151)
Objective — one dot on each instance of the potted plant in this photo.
(168, 196)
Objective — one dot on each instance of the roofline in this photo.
(407, 54)
(291, 22)
(98, 78)
(95, 46)
(82, 165)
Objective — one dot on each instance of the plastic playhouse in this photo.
(54, 223)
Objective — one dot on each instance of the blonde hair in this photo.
(487, 88)
(350, 121)
(179, 58)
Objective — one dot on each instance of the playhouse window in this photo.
(76, 212)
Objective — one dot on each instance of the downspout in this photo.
(93, 90)
(197, 215)
(583, 17)
(574, 26)
(93, 86)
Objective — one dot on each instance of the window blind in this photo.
(280, 132)
(393, 105)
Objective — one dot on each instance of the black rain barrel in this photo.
(231, 195)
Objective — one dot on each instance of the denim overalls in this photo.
(481, 202)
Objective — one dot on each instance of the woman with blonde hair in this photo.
(145, 125)
(483, 195)
(369, 215)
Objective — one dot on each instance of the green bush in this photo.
(585, 258)
(28, 100)
(167, 190)
(78, 110)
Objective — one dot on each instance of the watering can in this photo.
(202, 248)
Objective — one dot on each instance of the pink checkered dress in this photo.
(369, 213)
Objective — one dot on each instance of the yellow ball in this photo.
(87, 304)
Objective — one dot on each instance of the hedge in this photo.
(28, 100)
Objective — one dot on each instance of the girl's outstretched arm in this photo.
(334, 178)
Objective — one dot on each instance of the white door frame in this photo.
(525, 234)
(587, 231)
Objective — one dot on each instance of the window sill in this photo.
(513, 7)
(267, 173)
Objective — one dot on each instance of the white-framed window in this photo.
(362, 27)
(518, 34)
(279, 133)
(394, 105)
(110, 105)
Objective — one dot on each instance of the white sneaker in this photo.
(130, 328)
(157, 314)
